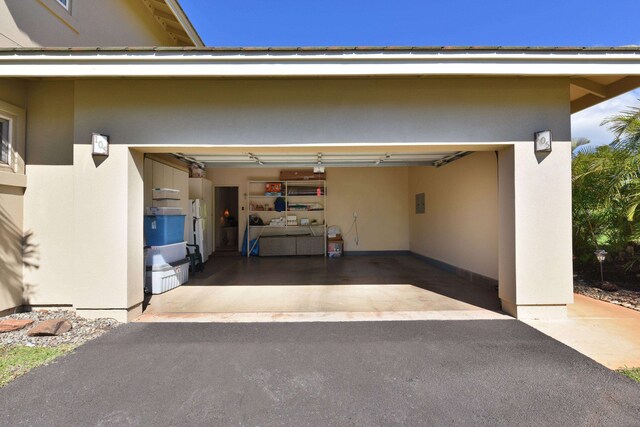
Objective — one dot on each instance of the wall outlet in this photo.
(355, 214)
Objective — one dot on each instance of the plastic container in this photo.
(165, 194)
(161, 210)
(334, 248)
(165, 203)
(163, 278)
(160, 230)
(158, 255)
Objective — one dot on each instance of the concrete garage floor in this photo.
(234, 289)
(440, 373)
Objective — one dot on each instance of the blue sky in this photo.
(427, 23)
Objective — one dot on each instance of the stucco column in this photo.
(108, 256)
(535, 255)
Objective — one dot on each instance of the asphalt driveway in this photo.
(493, 372)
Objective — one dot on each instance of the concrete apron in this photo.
(602, 331)
(309, 303)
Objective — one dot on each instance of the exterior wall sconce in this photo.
(99, 145)
(542, 141)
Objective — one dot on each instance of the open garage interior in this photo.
(360, 233)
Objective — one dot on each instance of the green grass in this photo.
(18, 360)
(633, 373)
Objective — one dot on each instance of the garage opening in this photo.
(338, 234)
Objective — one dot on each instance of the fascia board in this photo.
(140, 63)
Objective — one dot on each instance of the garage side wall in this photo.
(460, 224)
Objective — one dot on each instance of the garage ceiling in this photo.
(324, 158)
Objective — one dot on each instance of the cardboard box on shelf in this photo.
(301, 175)
(273, 187)
(196, 171)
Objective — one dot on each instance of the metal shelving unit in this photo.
(256, 197)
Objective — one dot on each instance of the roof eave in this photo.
(175, 22)
(184, 20)
(577, 65)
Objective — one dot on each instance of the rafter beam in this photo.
(590, 86)
(159, 3)
(180, 37)
(616, 88)
(166, 16)
(175, 30)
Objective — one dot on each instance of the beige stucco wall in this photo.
(378, 195)
(535, 235)
(13, 242)
(50, 215)
(387, 111)
(460, 224)
(49, 197)
(89, 23)
(11, 261)
(14, 91)
(108, 263)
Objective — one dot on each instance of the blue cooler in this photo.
(160, 230)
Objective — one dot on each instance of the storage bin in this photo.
(277, 246)
(165, 203)
(309, 245)
(163, 278)
(160, 230)
(158, 255)
(160, 210)
(165, 194)
(334, 248)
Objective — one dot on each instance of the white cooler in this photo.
(164, 277)
(160, 255)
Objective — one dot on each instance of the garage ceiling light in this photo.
(255, 158)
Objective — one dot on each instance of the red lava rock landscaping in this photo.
(11, 325)
(82, 329)
(52, 327)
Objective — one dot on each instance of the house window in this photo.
(65, 3)
(5, 147)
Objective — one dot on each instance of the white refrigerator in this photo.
(199, 227)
